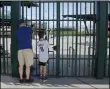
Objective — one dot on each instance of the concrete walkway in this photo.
(57, 83)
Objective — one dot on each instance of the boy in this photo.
(43, 46)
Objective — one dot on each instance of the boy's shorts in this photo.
(25, 56)
(42, 63)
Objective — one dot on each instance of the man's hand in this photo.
(54, 47)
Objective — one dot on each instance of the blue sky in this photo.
(65, 9)
(48, 11)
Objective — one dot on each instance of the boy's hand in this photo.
(54, 47)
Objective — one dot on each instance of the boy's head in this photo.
(41, 34)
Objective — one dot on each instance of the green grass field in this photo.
(69, 33)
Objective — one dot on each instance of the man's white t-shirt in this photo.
(43, 50)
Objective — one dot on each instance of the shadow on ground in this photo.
(56, 82)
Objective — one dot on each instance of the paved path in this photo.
(57, 83)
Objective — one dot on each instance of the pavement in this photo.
(57, 83)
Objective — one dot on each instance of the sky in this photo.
(49, 13)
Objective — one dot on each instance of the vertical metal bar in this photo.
(39, 19)
(43, 16)
(62, 37)
(72, 39)
(102, 11)
(23, 10)
(36, 28)
(39, 15)
(53, 36)
(48, 32)
(76, 39)
(15, 14)
(90, 34)
(105, 64)
(45, 30)
(89, 58)
(6, 41)
(109, 43)
(26, 15)
(31, 27)
(80, 40)
(58, 40)
(3, 40)
(85, 42)
(31, 14)
(94, 36)
(67, 38)
(48, 21)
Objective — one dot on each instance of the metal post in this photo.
(39, 15)
(15, 16)
(58, 40)
(101, 38)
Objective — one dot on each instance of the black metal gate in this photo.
(5, 39)
(71, 26)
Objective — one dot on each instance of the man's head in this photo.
(41, 34)
(21, 23)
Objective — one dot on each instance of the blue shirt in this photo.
(24, 37)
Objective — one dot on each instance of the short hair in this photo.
(41, 34)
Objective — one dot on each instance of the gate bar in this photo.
(15, 14)
(58, 40)
(101, 37)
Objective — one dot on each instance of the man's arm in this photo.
(30, 30)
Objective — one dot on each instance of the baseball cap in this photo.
(21, 21)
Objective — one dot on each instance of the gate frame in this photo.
(15, 16)
(101, 38)
(58, 40)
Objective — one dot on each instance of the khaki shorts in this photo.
(25, 56)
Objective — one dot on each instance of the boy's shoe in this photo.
(29, 80)
(41, 78)
(44, 79)
(21, 81)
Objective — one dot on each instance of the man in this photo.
(25, 54)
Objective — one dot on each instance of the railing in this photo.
(70, 48)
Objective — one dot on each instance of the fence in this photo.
(69, 25)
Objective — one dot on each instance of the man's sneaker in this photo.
(21, 81)
(29, 80)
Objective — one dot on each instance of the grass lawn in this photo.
(70, 33)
